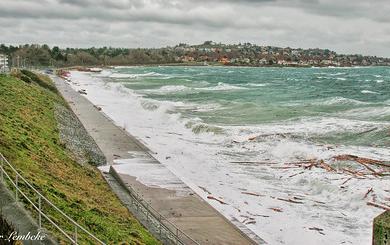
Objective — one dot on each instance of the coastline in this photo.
(124, 153)
(222, 178)
(217, 64)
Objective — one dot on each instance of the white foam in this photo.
(149, 174)
(337, 101)
(168, 89)
(120, 75)
(222, 86)
(126, 75)
(205, 160)
(257, 84)
(368, 92)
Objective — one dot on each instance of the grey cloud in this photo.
(346, 26)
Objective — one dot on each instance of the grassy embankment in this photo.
(29, 139)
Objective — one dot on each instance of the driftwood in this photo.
(270, 163)
(247, 218)
(277, 209)
(289, 200)
(216, 199)
(204, 189)
(97, 107)
(317, 229)
(346, 181)
(257, 215)
(250, 222)
(368, 192)
(82, 91)
(361, 160)
(354, 173)
(327, 166)
(369, 168)
(302, 162)
(295, 174)
(382, 164)
(285, 167)
(385, 207)
(251, 193)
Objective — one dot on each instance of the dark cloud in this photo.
(358, 26)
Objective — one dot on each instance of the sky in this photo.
(345, 26)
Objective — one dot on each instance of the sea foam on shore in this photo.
(325, 211)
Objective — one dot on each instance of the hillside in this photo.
(29, 139)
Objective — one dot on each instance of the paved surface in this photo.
(16, 215)
(186, 209)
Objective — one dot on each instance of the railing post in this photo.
(16, 186)
(160, 223)
(75, 234)
(147, 213)
(40, 212)
(2, 168)
(15, 183)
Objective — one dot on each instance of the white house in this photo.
(3, 62)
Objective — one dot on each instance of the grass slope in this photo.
(29, 139)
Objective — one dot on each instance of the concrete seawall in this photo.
(180, 205)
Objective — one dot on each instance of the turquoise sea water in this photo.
(349, 106)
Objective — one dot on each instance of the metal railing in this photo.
(9, 175)
(166, 231)
(160, 226)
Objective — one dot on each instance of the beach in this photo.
(212, 134)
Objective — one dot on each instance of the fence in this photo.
(9, 176)
(157, 224)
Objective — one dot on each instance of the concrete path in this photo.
(177, 203)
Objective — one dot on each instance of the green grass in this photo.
(382, 229)
(29, 139)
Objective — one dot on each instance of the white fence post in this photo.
(2, 168)
(41, 198)
(75, 234)
(17, 187)
(40, 212)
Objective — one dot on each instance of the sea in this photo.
(227, 131)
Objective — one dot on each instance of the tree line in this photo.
(42, 55)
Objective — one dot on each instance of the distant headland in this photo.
(208, 53)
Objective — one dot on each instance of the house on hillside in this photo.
(3, 63)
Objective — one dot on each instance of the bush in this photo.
(35, 78)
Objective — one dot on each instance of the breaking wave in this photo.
(222, 86)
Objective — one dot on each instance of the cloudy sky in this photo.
(346, 26)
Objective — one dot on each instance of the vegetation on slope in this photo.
(29, 139)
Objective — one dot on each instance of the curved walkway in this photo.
(184, 208)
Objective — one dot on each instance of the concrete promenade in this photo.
(181, 206)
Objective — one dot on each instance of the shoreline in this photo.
(212, 172)
(200, 64)
(120, 146)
